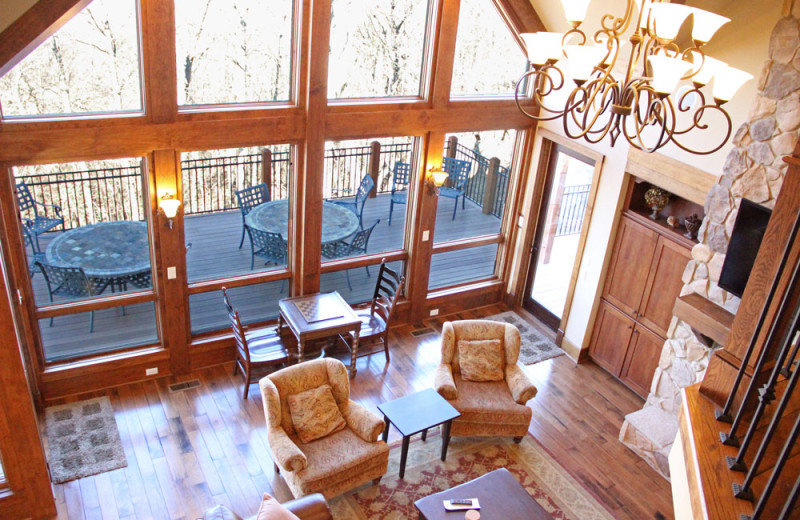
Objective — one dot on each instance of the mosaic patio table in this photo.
(338, 222)
(118, 251)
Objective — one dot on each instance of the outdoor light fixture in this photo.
(435, 179)
(169, 206)
(643, 105)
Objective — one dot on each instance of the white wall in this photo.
(744, 44)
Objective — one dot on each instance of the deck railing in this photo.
(573, 208)
(210, 184)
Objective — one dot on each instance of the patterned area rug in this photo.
(82, 440)
(535, 347)
(468, 458)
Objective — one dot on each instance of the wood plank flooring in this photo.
(214, 253)
(192, 449)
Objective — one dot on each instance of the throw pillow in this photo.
(481, 360)
(315, 413)
(271, 509)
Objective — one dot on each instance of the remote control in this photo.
(462, 502)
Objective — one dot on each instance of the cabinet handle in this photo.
(636, 331)
(630, 327)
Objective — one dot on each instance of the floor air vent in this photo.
(422, 332)
(177, 387)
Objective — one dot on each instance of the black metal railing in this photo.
(90, 196)
(572, 210)
(770, 481)
(210, 184)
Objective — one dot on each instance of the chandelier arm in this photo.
(652, 117)
(697, 116)
(585, 106)
(539, 92)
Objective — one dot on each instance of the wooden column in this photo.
(374, 166)
(725, 363)
(170, 251)
(307, 204)
(29, 492)
(490, 188)
(158, 48)
(266, 168)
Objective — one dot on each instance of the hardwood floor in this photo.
(192, 449)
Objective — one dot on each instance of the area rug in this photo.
(468, 458)
(82, 440)
(535, 346)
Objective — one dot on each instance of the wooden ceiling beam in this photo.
(520, 16)
(32, 28)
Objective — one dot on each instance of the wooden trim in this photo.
(707, 317)
(36, 25)
(239, 281)
(679, 178)
(446, 50)
(520, 15)
(103, 302)
(456, 299)
(466, 243)
(351, 263)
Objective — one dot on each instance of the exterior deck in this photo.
(214, 254)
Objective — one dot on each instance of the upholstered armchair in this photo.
(321, 441)
(479, 375)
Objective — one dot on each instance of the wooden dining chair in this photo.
(376, 315)
(255, 349)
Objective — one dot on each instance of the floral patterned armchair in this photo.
(321, 441)
(490, 390)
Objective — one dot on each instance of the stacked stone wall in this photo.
(754, 169)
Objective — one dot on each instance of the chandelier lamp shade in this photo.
(589, 85)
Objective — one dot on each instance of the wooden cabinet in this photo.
(643, 281)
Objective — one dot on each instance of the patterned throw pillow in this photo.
(271, 509)
(315, 413)
(481, 360)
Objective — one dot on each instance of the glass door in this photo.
(564, 202)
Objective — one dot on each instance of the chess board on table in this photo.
(315, 309)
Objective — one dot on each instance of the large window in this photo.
(376, 48)
(236, 222)
(488, 60)
(233, 52)
(86, 236)
(474, 198)
(90, 65)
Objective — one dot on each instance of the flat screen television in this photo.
(748, 231)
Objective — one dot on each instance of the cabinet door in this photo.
(663, 285)
(642, 360)
(612, 333)
(630, 266)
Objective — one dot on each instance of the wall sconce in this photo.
(435, 179)
(169, 206)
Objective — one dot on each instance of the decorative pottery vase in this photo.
(692, 224)
(656, 199)
(672, 221)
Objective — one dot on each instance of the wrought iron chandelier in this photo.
(643, 105)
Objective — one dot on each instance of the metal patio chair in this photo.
(357, 205)
(269, 246)
(458, 172)
(37, 221)
(71, 282)
(400, 179)
(248, 199)
(357, 246)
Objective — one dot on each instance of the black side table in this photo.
(417, 413)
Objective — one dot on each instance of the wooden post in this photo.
(490, 188)
(266, 168)
(375, 166)
(452, 143)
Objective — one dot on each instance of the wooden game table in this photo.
(318, 316)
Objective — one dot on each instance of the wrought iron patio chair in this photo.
(37, 255)
(357, 246)
(357, 205)
(248, 199)
(376, 315)
(255, 349)
(400, 179)
(458, 172)
(36, 221)
(71, 282)
(269, 246)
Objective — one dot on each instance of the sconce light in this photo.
(169, 206)
(435, 179)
